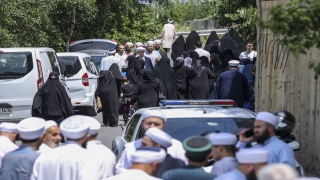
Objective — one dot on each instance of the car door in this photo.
(93, 74)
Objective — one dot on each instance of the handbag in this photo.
(161, 96)
(99, 103)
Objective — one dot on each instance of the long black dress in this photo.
(198, 78)
(192, 38)
(114, 68)
(146, 93)
(52, 102)
(165, 73)
(135, 75)
(108, 93)
(181, 77)
(205, 63)
(131, 60)
(178, 47)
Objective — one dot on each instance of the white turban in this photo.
(139, 44)
(112, 51)
(252, 156)
(148, 155)
(128, 43)
(140, 49)
(8, 127)
(75, 127)
(170, 21)
(268, 117)
(50, 123)
(153, 113)
(158, 41)
(31, 128)
(159, 136)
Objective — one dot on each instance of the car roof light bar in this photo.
(216, 102)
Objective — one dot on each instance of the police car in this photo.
(187, 118)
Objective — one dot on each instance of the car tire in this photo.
(93, 110)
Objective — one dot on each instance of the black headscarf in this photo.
(213, 37)
(205, 63)
(131, 60)
(215, 59)
(178, 47)
(194, 56)
(135, 75)
(192, 38)
(196, 69)
(114, 69)
(185, 54)
(106, 76)
(164, 72)
(228, 54)
(52, 99)
(228, 44)
(178, 64)
(148, 78)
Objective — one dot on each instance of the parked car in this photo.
(81, 76)
(187, 118)
(25, 70)
(97, 55)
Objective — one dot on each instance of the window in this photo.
(103, 45)
(53, 61)
(70, 65)
(14, 65)
(132, 127)
(90, 66)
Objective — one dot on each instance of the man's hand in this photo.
(243, 138)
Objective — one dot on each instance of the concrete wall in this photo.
(284, 82)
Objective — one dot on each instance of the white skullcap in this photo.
(94, 125)
(252, 156)
(112, 51)
(49, 124)
(128, 43)
(8, 127)
(148, 155)
(170, 21)
(223, 139)
(233, 63)
(3, 60)
(268, 117)
(159, 136)
(75, 127)
(31, 128)
(158, 41)
(150, 42)
(139, 44)
(140, 49)
(153, 113)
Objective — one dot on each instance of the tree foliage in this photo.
(299, 25)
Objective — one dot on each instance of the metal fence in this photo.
(203, 32)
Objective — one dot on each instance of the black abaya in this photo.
(192, 38)
(131, 60)
(146, 93)
(213, 36)
(178, 47)
(181, 78)
(135, 75)
(114, 68)
(205, 63)
(108, 93)
(165, 73)
(52, 102)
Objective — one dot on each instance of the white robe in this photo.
(103, 156)
(43, 147)
(124, 162)
(68, 161)
(133, 174)
(168, 35)
(6, 146)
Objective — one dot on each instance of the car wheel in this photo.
(93, 110)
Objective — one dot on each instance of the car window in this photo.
(53, 62)
(90, 65)
(97, 60)
(70, 65)
(131, 127)
(182, 128)
(94, 67)
(14, 65)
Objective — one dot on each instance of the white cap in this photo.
(75, 127)
(252, 156)
(94, 125)
(148, 155)
(233, 63)
(150, 42)
(153, 113)
(223, 139)
(141, 49)
(31, 128)
(112, 51)
(157, 41)
(49, 124)
(128, 43)
(268, 117)
(8, 127)
(170, 21)
(139, 44)
(159, 136)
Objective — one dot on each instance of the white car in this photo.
(22, 72)
(81, 76)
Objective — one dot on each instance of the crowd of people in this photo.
(154, 156)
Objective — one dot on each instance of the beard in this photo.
(52, 144)
(251, 175)
(263, 137)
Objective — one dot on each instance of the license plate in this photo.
(5, 110)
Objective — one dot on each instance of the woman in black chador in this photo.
(135, 75)
(52, 102)
(181, 78)
(108, 92)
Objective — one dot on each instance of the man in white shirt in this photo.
(51, 138)
(168, 34)
(108, 61)
(151, 53)
(249, 53)
(8, 133)
(70, 160)
(200, 51)
(102, 155)
(122, 56)
(128, 49)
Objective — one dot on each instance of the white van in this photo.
(82, 77)
(23, 72)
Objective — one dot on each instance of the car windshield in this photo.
(97, 60)
(104, 45)
(15, 65)
(70, 65)
(182, 128)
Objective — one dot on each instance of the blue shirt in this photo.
(232, 175)
(18, 164)
(224, 165)
(279, 151)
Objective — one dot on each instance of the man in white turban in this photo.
(168, 35)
